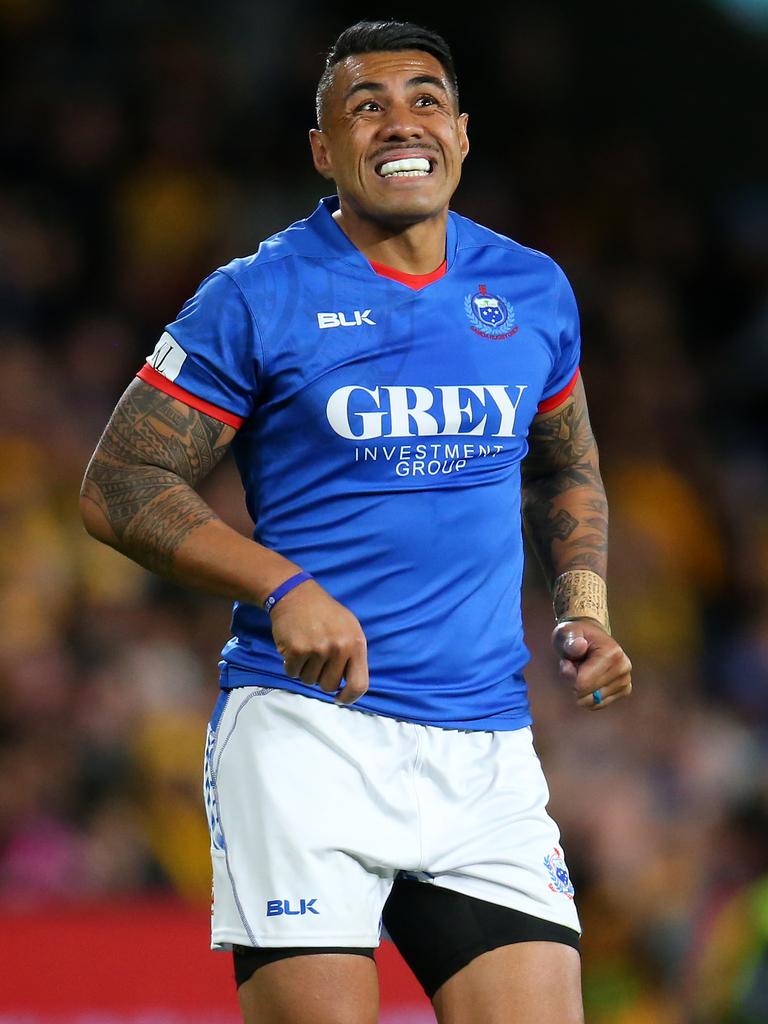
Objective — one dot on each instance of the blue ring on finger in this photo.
(597, 697)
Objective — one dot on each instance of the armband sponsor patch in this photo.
(168, 357)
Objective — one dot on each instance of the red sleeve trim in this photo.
(150, 376)
(548, 404)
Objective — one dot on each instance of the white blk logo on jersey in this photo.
(340, 320)
(168, 357)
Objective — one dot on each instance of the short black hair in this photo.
(375, 36)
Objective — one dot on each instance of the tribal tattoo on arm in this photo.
(138, 494)
(565, 512)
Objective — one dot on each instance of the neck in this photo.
(412, 248)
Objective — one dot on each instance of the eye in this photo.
(427, 100)
(367, 105)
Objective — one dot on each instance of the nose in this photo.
(401, 123)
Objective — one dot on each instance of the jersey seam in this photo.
(262, 261)
(559, 278)
(261, 370)
(553, 357)
(509, 243)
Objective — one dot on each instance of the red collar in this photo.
(412, 280)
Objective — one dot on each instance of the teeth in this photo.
(411, 167)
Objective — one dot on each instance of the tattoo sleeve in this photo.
(154, 451)
(565, 512)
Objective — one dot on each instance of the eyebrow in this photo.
(378, 87)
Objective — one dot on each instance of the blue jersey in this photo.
(381, 431)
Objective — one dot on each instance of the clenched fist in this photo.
(592, 662)
(321, 642)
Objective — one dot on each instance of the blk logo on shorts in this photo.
(277, 907)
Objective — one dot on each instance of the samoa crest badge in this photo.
(490, 316)
(558, 872)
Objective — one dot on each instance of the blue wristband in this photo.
(282, 590)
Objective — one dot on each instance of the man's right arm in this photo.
(138, 496)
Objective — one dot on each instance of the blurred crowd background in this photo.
(142, 145)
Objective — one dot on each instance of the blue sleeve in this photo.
(212, 349)
(567, 339)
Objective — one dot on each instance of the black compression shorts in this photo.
(437, 932)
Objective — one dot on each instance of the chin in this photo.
(407, 210)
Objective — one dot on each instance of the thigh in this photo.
(439, 932)
(323, 988)
(526, 983)
(489, 923)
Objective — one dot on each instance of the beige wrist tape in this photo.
(581, 593)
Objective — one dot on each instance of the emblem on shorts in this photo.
(558, 872)
(490, 316)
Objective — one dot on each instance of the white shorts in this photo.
(314, 808)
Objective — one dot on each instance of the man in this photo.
(377, 369)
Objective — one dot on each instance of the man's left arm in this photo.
(565, 514)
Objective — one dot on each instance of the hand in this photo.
(321, 642)
(590, 659)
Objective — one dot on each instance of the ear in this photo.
(463, 120)
(321, 156)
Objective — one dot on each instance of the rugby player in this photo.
(380, 371)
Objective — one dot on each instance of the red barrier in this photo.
(143, 963)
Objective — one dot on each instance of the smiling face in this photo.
(392, 138)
